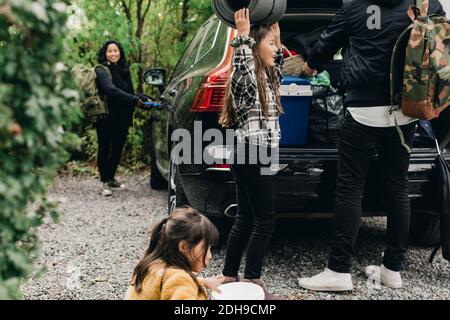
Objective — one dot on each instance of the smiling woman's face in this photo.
(113, 53)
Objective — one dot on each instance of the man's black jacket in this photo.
(366, 52)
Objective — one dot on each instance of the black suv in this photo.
(305, 186)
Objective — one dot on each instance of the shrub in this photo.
(36, 110)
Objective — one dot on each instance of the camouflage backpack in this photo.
(424, 47)
(93, 104)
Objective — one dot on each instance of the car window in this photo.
(189, 56)
(209, 39)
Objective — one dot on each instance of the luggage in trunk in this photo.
(295, 95)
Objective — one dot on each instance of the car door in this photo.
(173, 97)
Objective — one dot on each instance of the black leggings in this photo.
(254, 223)
(111, 136)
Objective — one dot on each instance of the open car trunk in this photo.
(301, 28)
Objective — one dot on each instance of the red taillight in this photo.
(220, 166)
(211, 96)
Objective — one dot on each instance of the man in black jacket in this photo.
(367, 31)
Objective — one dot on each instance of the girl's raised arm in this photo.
(243, 78)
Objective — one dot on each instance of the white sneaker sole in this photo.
(391, 285)
(334, 288)
(118, 188)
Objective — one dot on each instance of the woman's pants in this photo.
(112, 136)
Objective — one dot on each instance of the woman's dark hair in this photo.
(102, 54)
(227, 117)
(186, 224)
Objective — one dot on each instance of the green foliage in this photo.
(165, 34)
(36, 108)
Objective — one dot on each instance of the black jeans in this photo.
(111, 136)
(356, 149)
(254, 223)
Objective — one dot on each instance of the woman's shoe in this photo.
(230, 279)
(114, 184)
(106, 191)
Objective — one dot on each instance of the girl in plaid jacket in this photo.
(252, 109)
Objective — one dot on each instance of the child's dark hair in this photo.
(227, 117)
(186, 224)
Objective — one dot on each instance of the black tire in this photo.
(175, 194)
(157, 181)
(261, 12)
(424, 228)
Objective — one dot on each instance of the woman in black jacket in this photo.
(112, 130)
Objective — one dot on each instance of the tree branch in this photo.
(127, 9)
(184, 17)
(146, 9)
(6, 12)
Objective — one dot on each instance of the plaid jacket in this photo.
(251, 125)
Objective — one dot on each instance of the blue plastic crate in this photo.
(296, 96)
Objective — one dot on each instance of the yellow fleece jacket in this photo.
(167, 283)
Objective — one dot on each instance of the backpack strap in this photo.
(402, 136)
(419, 10)
(426, 126)
(108, 72)
(433, 254)
(423, 6)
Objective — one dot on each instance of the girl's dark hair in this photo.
(102, 54)
(228, 115)
(186, 224)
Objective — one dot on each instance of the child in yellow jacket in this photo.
(180, 246)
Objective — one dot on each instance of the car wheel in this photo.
(157, 181)
(175, 193)
(424, 228)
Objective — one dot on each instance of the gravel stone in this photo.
(91, 252)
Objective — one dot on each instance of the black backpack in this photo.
(440, 183)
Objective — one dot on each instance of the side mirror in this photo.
(155, 77)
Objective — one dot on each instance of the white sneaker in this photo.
(328, 280)
(389, 278)
(106, 192)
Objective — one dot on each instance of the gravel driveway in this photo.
(92, 251)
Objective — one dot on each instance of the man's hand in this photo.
(277, 33)
(308, 71)
(242, 21)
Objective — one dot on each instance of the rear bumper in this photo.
(305, 187)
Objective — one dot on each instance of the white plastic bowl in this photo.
(239, 291)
